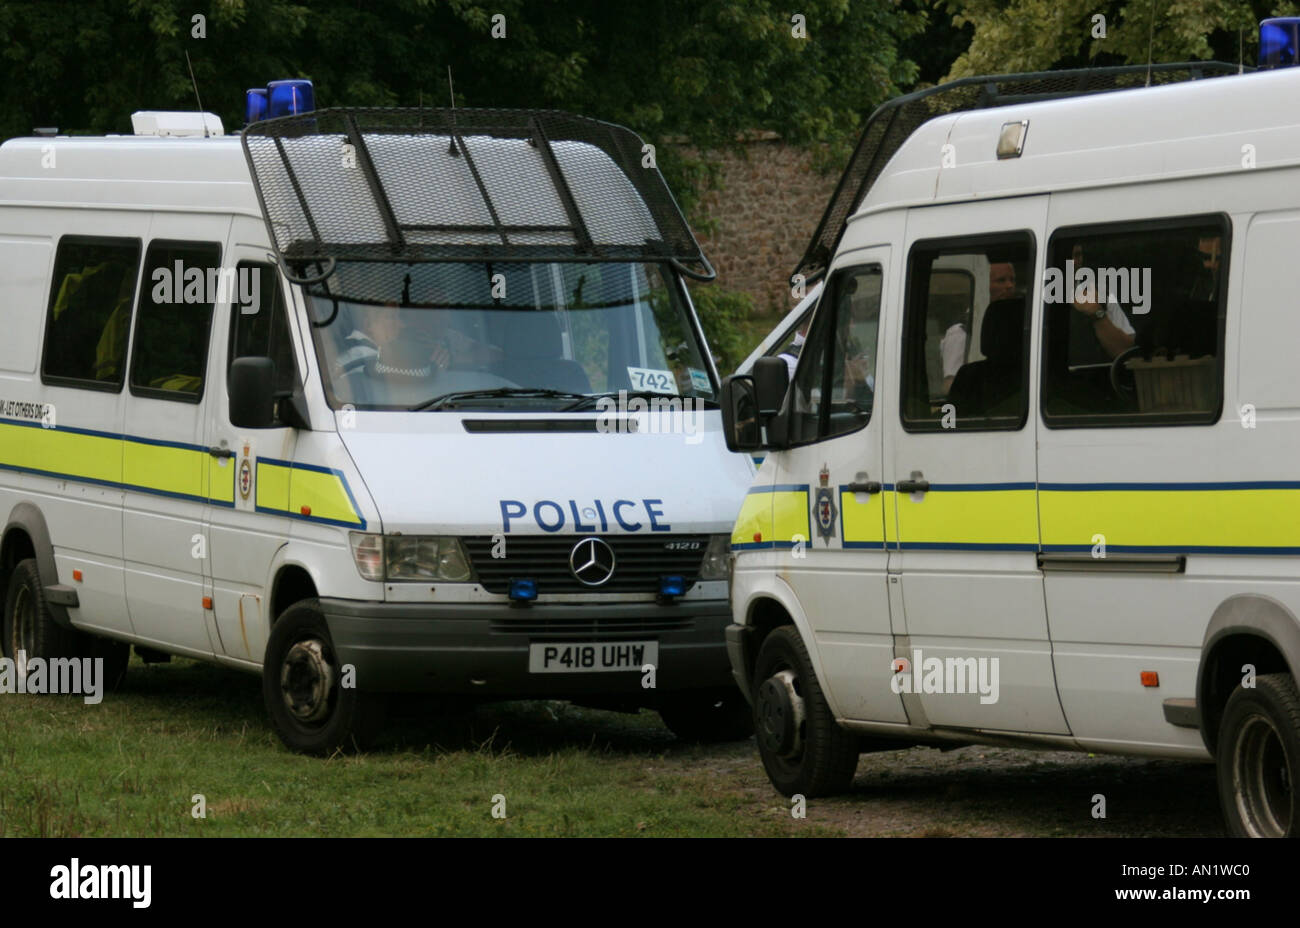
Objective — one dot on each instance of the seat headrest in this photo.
(1002, 331)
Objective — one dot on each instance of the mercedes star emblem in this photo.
(592, 561)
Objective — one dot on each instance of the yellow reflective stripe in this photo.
(221, 479)
(976, 517)
(272, 487)
(61, 453)
(162, 469)
(891, 517)
(790, 516)
(324, 493)
(286, 488)
(755, 519)
(863, 523)
(1214, 519)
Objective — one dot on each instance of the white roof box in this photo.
(179, 125)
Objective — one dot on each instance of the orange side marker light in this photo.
(1150, 678)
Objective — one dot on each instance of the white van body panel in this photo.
(1227, 146)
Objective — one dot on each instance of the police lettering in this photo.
(597, 516)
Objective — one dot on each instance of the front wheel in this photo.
(311, 709)
(802, 748)
(1258, 758)
(708, 716)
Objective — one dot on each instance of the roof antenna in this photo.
(202, 118)
(451, 90)
(1151, 36)
(1241, 69)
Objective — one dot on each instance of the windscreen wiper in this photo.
(448, 399)
(589, 401)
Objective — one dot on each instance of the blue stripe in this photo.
(1174, 549)
(1225, 485)
(781, 488)
(975, 487)
(967, 546)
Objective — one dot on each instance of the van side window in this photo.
(966, 333)
(1133, 324)
(173, 319)
(259, 327)
(835, 382)
(89, 316)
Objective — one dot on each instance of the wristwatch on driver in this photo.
(1100, 314)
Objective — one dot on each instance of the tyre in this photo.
(802, 748)
(29, 629)
(1258, 758)
(708, 716)
(311, 712)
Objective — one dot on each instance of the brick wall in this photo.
(766, 208)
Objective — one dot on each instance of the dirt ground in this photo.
(919, 792)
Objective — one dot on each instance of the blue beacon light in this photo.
(254, 105)
(1279, 42)
(289, 98)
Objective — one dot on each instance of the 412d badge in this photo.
(824, 507)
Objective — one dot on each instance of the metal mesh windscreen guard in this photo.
(891, 123)
(366, 191)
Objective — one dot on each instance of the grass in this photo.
(132, 765)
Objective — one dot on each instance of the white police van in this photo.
(1089, 538)
(368, 402)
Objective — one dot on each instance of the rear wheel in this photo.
(28, 630)
(708, 716)
(302, 686)
(802, 748)
(1258, 758)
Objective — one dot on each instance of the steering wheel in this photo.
(1124, 390)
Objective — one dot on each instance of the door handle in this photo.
(870, 486)
(221, 452)
(916, 485)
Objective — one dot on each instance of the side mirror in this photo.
(251, 389)
(771, 380)
(740, 425)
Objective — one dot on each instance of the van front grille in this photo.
(639, 562)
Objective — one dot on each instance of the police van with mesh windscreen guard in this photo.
(369, 402)
(1036, 477)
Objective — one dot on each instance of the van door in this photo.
(962, 463)
(164, 460)
(1151, 491)
(242, 542)
(827, 500)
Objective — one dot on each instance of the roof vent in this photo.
(177, 125)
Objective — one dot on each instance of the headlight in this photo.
(426, 557)
(714, 565)
(410, 557)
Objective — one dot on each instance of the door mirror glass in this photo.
(771, 380)
(740, 424)
(252, 393)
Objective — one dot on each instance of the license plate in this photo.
(592, 658)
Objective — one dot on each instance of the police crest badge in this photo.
(824, 507)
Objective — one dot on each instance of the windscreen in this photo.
(522, 336)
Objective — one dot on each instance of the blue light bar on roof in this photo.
(289, 98)
(1279, 42)
(254, 105)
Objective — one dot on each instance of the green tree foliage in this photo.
(694, 71)
(1037, 35)
(669, 69)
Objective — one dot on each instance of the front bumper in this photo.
(482, 649)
